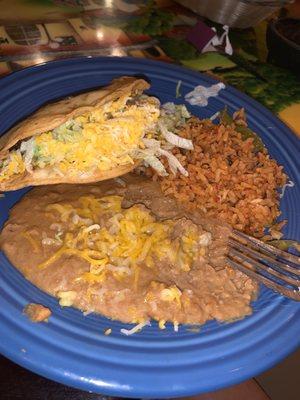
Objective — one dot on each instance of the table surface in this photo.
(40, 31)
(37, 31)
(16, 383)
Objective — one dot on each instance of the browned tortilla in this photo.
(210, 290)
(46, 176)
(55, 114)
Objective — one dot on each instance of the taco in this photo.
(90, 137)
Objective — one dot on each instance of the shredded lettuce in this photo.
(37, 151)
(174, 164)
(38, 158)
(178, 94)
(151, 143)
(214, 116)
(27, 150)
(157, 165)
(135, 329)
(175, 139)
(289, 184)
(200, 95)
(58, 236)
(184, 111)
(3, 164)
(67, 132)
(153, 151)
(173, 116)
(179, 110)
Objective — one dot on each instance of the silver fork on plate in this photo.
(275, 268)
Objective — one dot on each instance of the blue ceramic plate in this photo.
(71, 348)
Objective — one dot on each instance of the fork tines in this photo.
(273, 267)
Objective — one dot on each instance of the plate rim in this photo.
(49, 65)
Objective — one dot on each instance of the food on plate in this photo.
(122, 249)
(37, 312)
(231, 176)
(134, 248)
(91, 137)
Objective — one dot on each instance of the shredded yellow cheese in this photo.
(171, 293)
(121, 242)
(99, 140)
(162, 324)
(103, 143)
(13, 165)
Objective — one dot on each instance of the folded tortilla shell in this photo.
(55, 114)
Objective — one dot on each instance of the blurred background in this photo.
(264, 35)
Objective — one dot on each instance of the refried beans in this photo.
(122, 249)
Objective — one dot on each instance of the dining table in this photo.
(42, 31)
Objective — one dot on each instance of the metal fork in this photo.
(275, 268)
